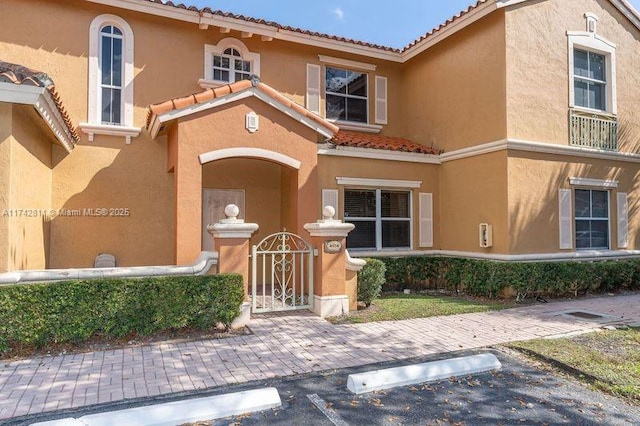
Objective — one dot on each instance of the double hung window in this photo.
(382, 218)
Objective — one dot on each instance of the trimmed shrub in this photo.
(74, 311)
(370, 280)
(492, 279)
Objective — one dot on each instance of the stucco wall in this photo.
(261, 181)
(29, 192)
(107, 173)
(5, 161)
(538, 75)
(223, 128)
(454, 93)
(474, 191)
(534, 180)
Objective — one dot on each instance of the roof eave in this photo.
(41, 100)
(156, 121)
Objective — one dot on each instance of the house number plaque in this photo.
(332, 246)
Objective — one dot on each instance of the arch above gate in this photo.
(259, 153)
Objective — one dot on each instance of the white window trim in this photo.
(379, 183)
(94, 125)
(597, 44)
(345, 124)
(218, 49)
(595, 183)
(608, 219)
(363, 66)
(379, 219)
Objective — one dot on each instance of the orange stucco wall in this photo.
(262, 183)
(538, 75)
(207, 131)
(5, 170)
(534, 180)
(474, 191)
(454, 93)
(332, 167)
(30, 189)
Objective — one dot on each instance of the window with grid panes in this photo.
(382, 218)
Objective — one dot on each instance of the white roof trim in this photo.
(598, 183)
(377, 154)
(259, 153)
(379, 183)
(542, 147)
(41, 100)
(323, 42)
(243, 94)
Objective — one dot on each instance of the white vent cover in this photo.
(252, 122)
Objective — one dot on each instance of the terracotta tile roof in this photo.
(218, 92)
(18, 74)
(274, 25)
(318, 34)
(390, 143)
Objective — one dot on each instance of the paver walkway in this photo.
(280, 345)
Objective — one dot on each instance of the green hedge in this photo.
(74, 311)
(492, 279)
(370, 281)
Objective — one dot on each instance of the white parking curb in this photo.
(421, 373)
(179, 412)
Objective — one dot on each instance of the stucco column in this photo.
(330, 286)
(231, 241)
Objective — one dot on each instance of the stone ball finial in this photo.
(231, 211)
(328, 212)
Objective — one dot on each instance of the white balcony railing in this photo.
(592, 130)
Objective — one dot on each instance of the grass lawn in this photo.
(610, 359)
(400, 307)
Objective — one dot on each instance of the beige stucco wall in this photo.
(534, 180)
(538, 75)
(454, 93)
(474, 191)
(5, 161)
(332, 167)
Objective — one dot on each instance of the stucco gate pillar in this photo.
(331, 296)
(231, 241)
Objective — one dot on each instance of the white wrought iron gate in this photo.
(282, 273)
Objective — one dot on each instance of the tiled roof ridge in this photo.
(390, 143)
(448, 22)
(221, 91)
(275, 25)
(19, 75)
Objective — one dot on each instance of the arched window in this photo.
(230, 67)
(111, 71)
(227, 62)
(111, 66)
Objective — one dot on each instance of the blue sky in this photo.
(390, 23)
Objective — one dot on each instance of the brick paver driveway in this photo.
(280, 345)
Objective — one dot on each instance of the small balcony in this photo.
(593, 130)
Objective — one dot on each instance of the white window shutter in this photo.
(426, 220)
(623, 220)
(566, 220)
(330, 198)
(313, 88)
(381, 100)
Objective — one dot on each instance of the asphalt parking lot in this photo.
(521, 392)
